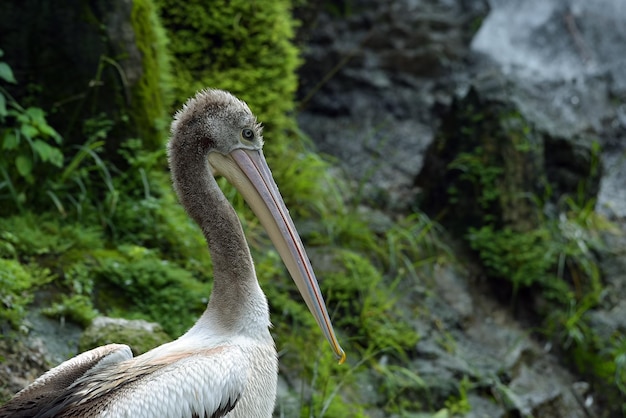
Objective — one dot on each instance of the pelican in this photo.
(226, 365)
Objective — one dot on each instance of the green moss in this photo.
(152, 95)
(136, 283)
(18, 284)
(241, 46)
(32, 235)
(90, 276)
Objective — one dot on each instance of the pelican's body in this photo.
(226, 364)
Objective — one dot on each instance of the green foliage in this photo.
(44, 243)
(460, 405)
(477, 170)
(307, 184)
(30, 235)
(76, 308)
(545, 245)
(30, 147)
(492, 158)
(559, 255)
(364, 305)
(6, 74)
(524, 258)
(140, 285)
(90, 276)
(412, 243)
(141, 257)
(363, 308)
(327, 380)
(601, 357)
(400, 387)
(32, 157)
(153, 92)
(617, 352)
(511, 235)
(549, 246)
(18, 284)
(150, 216)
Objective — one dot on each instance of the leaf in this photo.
(24, 165)
(56, 157)
(3, 106)
(37, 118)
(48, 152)
(10, 140)
(49, 131)
(36, 114)
(44, 150)
(29, 131)
(6, 73)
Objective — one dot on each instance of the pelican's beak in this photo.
(249, 173)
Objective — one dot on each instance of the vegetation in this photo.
(88, 217)
(240, 46)
(154, 89)
(99, 230)
(543, 246)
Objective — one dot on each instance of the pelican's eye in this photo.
(247, 134)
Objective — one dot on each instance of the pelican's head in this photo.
(218, 126)
(216, 121)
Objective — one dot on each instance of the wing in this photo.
(40, 394)
(205, 384)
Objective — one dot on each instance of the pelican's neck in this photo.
(236, 301)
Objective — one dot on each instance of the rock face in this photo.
(384, 88)
(370, 83)
(140, 335)
(566, 58)
(26, 357)
(374, 81)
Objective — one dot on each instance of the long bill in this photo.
(249, 173)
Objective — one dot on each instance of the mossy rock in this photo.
(241, 46)
(140, 335)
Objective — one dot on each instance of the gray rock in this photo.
(140, 335)
(567, 59)
(369, 82)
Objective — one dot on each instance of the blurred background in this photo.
(456, 169)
